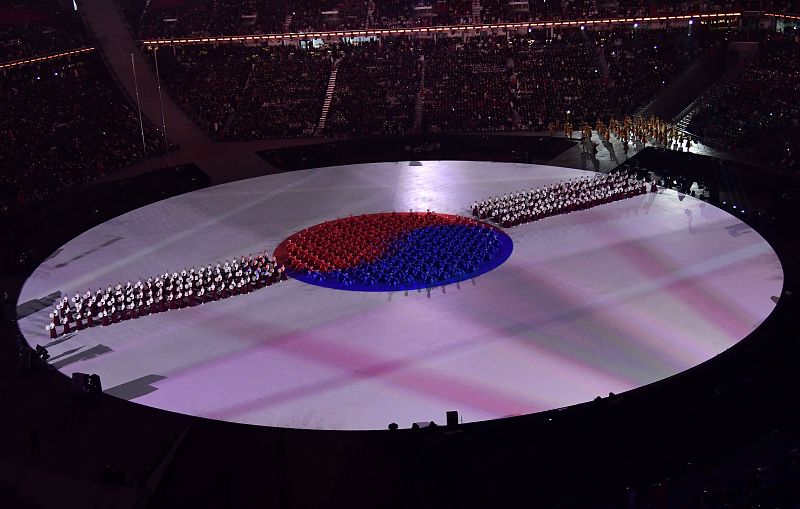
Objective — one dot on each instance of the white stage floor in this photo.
(598, 301)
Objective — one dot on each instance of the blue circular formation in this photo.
(424, 258)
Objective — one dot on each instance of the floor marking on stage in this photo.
(91, 353)
(135, 388)
(36, 305)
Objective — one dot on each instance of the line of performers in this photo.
(630, 129)
(165, 292)
(642, 129)
(559, 198)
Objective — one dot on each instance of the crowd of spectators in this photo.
(205, 81)
(588, 9)
(310, 15)
(241, 92)
(176, 18)
(641, 63)
(466, 85)
(557, 78)
(773, 484)
(669, 7)
(486, 83)
(757, 115)
(38, 27)
(179, 18)
(401, 84)
(376, 89)
(392, 13)
(283, 94)
(64, 122)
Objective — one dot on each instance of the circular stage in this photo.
(596, 301)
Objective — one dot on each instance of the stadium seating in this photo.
(756, 115)
(53, 134)
(477, 84)
(377, 86)
(558, 78)
(467, 86)
(38, 28)
(208, 17)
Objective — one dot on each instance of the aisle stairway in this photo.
(370, 13)
(513, 94)
(476, 11)
(603, 61)
(686, 87)
(739, 56)
(328, 98)
(684, 118)
(144, 10)
(420, 102)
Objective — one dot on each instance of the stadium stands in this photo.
(206, 17)
(756, 115)
(474, 84)
(467, 86)
(66, 123)
(205, 81)
(558, 78)
(642, 63)
(376, 90)
(402, 85)
(248, 93)
(282, 95)
(38, 28)
(55, 135)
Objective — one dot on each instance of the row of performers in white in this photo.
(559, 198)
(189, 287)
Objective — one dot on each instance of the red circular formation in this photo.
(393, 251)
(347, 242)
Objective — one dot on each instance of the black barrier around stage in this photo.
(586, 454)
(510, 148)
(34, 232)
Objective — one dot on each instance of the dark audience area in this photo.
(54, 135)
(467, 86)
(401, 84)
(205, 81)
(757, 113)
(377, 88)
(243, 93)
(642, 63)
(39, 27)
(486, 84)
(178, 18)
(559, 78)
(282, 95)
(723, 434)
